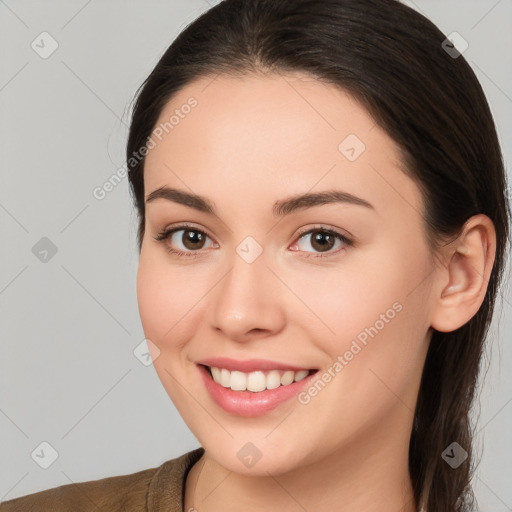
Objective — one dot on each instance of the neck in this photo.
(370, 474)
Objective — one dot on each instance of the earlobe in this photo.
(463, 282)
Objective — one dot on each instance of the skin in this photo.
(249, 142)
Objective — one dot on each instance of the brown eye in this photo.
(192, 239)
(184, 240)
(322, 241)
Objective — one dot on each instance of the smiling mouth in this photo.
(256, 381)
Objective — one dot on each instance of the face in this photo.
(337, 286)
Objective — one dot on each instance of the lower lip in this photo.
(248, 403)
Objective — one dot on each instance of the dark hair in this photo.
(391, 59)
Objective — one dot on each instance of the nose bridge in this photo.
(247, 297)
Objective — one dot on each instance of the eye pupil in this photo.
(326, 244)
(192, 237)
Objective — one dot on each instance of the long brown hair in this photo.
(429, 101)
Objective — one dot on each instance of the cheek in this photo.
(369, 311)
(345, 299)
(392, 330)
(154, 298)
(165, 298)
(165, 301)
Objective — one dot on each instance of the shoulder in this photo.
(127, 493)
(110, 493)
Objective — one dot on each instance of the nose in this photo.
(248, 302)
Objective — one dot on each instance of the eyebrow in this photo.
(280, 208)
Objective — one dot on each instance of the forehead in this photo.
(263, 138)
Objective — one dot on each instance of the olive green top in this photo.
(159, 489)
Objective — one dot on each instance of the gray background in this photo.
(69, 326)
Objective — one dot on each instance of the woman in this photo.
(322, 235)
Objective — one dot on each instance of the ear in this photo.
(464, 277)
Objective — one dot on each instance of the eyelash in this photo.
(166, 233)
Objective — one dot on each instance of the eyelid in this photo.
(184, 225)
(347, 239)
(325, 227)
(299, 233)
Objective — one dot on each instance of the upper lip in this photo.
(249, 365)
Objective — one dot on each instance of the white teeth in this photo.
(238, 381)
(302, 374)
(225, 377)
(216, 374)
(287, 378)
(273, 380)
(257, 380)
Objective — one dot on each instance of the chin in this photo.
(257, 457)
